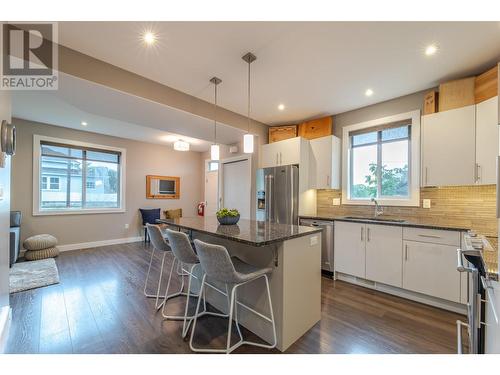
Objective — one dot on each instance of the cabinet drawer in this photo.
(444, 237)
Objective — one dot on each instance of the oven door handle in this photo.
(460, 264)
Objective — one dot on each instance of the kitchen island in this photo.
(294, 253)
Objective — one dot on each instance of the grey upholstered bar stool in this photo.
(185, 256)
(220, 267)
(159, 244)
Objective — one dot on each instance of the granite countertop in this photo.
(488, 253)
(414, 223)
(250, 232)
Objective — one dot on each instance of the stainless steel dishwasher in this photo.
(326, 241)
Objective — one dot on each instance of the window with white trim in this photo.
(75, 177)
(381, 161)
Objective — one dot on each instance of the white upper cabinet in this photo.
(448, 147)
(486, 141)
(286, 152)
(324, 163)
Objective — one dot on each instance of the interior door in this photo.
(349, 248)
(384, 254)
(211, 192)
(431, 269)
(236, 186)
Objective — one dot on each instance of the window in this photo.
(381, 161)
(75, 177)
(213, 166)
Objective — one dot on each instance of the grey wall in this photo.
(391, 107)
(5, 113)
(142, 159)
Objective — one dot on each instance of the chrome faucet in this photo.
(378, 210)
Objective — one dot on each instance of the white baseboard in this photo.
(88, 245)
(5, 319)
(403, 293)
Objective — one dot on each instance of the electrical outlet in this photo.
(335, 201)
(426, 203)
(126, 226)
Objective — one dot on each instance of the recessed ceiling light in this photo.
(431, 50)
(180, 145)
(84, 123)
(281, 107)
(149, 37)
(369, 92)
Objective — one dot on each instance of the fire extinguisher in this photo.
(201, 209)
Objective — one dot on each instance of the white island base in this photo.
(295, 287)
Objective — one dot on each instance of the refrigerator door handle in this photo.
(291, 198)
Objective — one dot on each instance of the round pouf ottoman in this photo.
(41, 246)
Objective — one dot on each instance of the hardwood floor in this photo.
(98, 307)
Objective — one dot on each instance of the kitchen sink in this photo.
(376, 219)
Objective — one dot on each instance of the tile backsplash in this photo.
(462, 206)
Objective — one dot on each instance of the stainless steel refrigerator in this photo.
(278, 194)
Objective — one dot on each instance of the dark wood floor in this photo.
(98, 307)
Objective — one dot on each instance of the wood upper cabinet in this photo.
(349, 245)
(384, 254)
(448, 147)
(324, 163)
(290, 151)
(316, 128)
(486, 141)
(280, 133)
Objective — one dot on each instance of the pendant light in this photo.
(248, 138)
(215, 149)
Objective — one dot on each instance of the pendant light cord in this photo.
(215, 115)
(248, 104)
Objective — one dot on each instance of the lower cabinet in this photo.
(384, 254)
(349, 239)
(416, 259)
(431, 269)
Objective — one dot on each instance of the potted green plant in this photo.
(227, 216)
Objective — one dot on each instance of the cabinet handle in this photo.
(429, 236)
(478, 173)
(277, 159)
(328, 181)
(368, 234)
(426, 175)
(281, 158)
(406, 252)
(362, 234)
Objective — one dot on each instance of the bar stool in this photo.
(232, 272)
(159, 244)
(185, 256)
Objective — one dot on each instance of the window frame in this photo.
(37, 151)
(413, 159)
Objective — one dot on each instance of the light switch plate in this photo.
(335, 201)
(314, 240)
(426, 203)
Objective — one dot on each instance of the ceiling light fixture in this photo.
(369, 92)
(281, 107)
(431, 50)
(84, 123)
(149, 37)
(180, 145)
(248, 138)
(215, 149)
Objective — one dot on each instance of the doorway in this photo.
(211, 187)
(236, 183)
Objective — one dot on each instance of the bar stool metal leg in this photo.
(160, 279)
(233, 307)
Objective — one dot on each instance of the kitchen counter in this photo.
(250, 232)
(413, 223)
(292, 252)
(489, 254)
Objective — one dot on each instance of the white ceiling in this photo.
(314, 68)
(111, 112)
